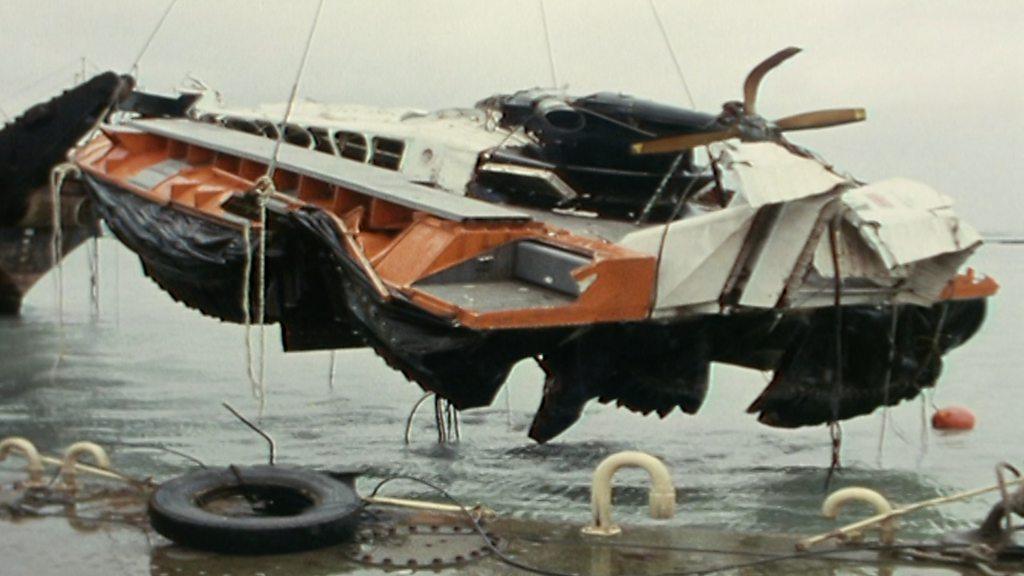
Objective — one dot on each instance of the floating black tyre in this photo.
(255, 510)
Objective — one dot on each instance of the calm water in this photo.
(148, 371)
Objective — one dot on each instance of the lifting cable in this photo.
(264, 190)
(547, 44)
(672, 53)
(134, 68)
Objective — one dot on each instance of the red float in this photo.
(953, 418)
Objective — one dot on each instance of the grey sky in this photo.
(943, 81)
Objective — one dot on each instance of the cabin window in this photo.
(268, 129)
(351, 145)
(242, 125)
(322, 140)
(387, 153)
(298, 136)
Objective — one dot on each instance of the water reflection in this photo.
(150, 372)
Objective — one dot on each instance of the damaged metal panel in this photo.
(906, 221)
(766, 173)
(781, 251)
(697, 257)
(930, 277)
(900, 235)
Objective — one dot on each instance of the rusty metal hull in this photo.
(27, 254)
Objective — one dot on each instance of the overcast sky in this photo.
(943, 81)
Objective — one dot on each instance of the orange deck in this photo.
(397, 246)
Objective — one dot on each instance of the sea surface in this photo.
(146, 372)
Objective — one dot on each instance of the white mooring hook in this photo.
(831, 506)
(662, 496)
(28, 450)
(72, 454)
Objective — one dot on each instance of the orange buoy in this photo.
(953, 418)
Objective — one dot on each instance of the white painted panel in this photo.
(781, 250)
(766, 173)
(699, 254)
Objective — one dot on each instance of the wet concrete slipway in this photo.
(148, 372)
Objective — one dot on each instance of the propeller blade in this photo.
(753, 81)
(682, 142)
(820, 119)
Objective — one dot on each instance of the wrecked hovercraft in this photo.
(584, 233)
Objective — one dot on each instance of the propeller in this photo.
(740, 119)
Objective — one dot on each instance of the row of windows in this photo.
(383, 152)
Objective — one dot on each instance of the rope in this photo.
(134, 68)
(94, 275)
(117, 285)
(264, 190)
(902, 511)
(672, 53)
(295, 88)
(330, 372)
(57, 177)
(547, 44)
(888, 380)
(247, 308)
(834, 429)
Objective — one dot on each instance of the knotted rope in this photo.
(256, 369)
(264, 189)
